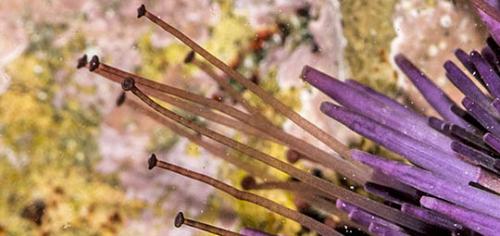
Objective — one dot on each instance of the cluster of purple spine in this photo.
(450, 155)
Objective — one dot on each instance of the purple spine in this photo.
(387, 101)
(475, 156)
(422, 154)
(464, 84)
(394, 115)
(432, 93)
(490, 14)
(476, 221)
(382, 230)
(482, 116)
(437, 124)
(362, 217)
(493, 141)
(463, 195)
(495, 48)
(488, 74)
(471, 138)
(496, 104)
(430, 217)
(391, 194)
(463, 57)
(344, 206)
(489, 56)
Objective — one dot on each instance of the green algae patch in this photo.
(369, 32)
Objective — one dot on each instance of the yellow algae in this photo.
(226, 44)
(193, 150)
(289, 96)
(51, 150)
(156, 59)
(162, 139)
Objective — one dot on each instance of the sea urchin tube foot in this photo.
(248, 183)
(121, 99)
(179, 220)
(82, 61)
(94, 63)
(128, 84)
(152, 161)
(438, 146)
(189, 57)
(141, 11)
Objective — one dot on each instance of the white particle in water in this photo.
(445, 21)
(433, 50)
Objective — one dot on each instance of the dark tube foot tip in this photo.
(292, 156)
(94, 63)
(152, 161)
(82, 61)
(189, 57)
(248, 183)
(179, 220)
(128, 84)
(121, 99)
(141, 11)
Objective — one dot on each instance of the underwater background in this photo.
(72, 163)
